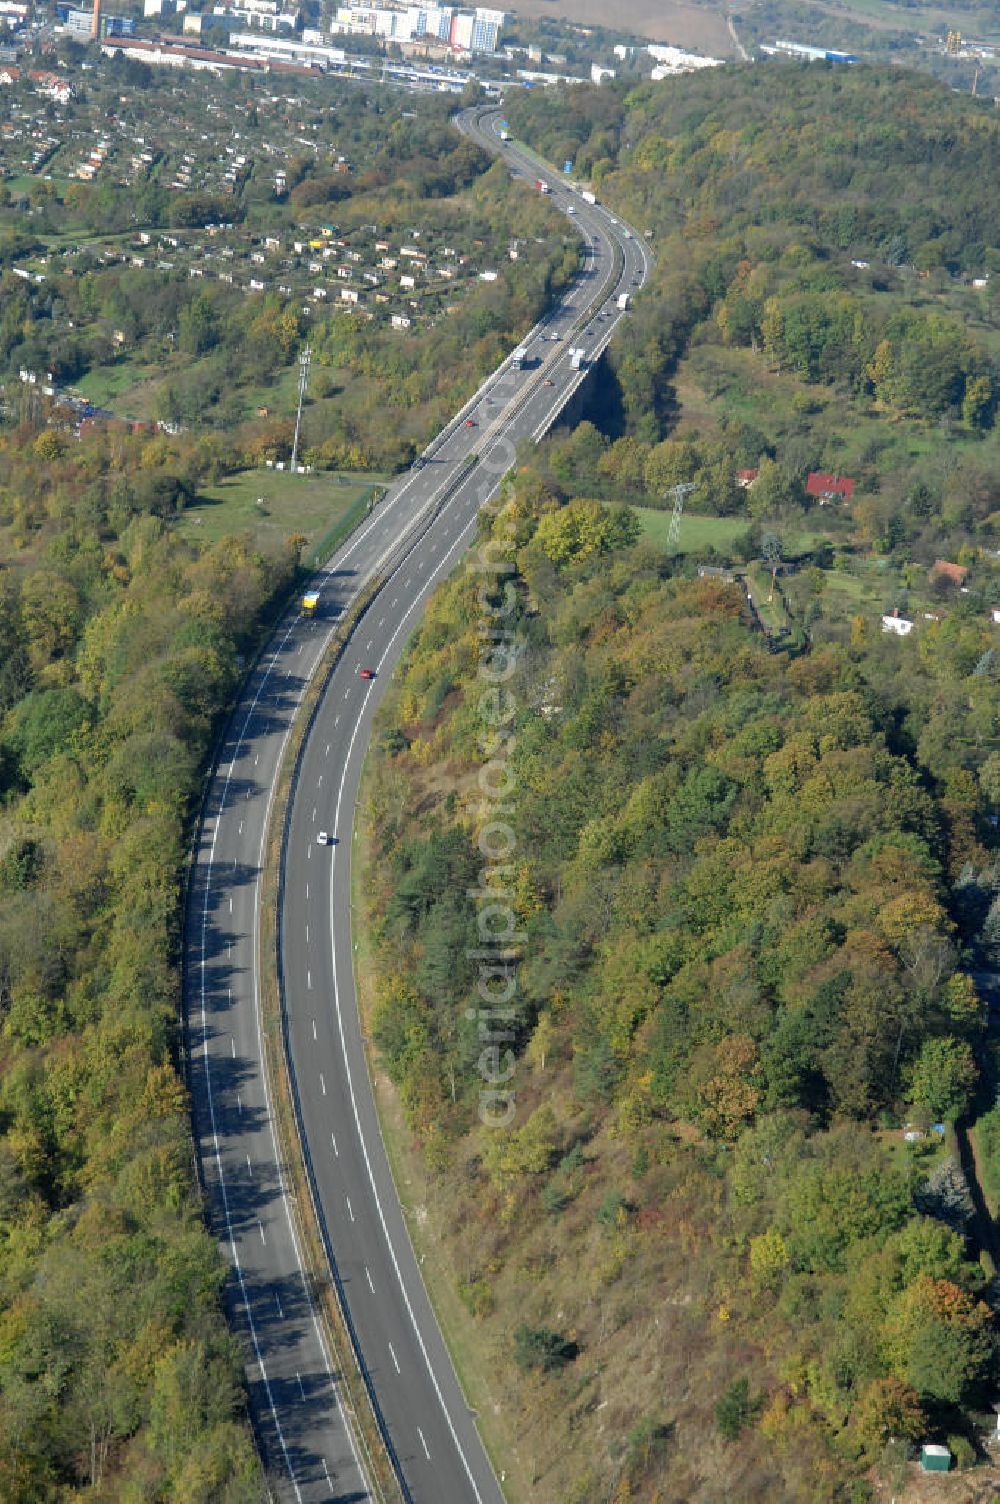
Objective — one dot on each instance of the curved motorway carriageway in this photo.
(412, 540)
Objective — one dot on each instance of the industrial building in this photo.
(287, 50)
(268, 15)
(670, 61)
(91, 24)
(803, 53)
(462, 30)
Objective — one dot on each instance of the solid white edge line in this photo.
(339, 560)
(317, 1328)
(439, 569)
(343, 1041)
(263, 1073)
(215, 1135)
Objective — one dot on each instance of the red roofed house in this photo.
(829, 487)
(746, 478)
(51, 84)
(944, 570)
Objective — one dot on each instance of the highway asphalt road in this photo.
(415, 536)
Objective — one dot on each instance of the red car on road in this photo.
(366, 673)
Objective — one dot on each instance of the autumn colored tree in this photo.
(887, 1409)
(938, 1339)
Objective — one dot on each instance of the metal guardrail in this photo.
(382, 1466)
(315, 1237)
(342, 529)
(281, 1072)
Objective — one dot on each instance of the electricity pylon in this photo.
(678, 493)
(304, 360)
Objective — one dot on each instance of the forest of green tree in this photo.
(824, 298)
(121, 647)
(748, 889)
(753, 888)
(754, 885)
(763, 190)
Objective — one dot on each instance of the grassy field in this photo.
(770, 606)
(716, 382)
(697, 534)
(871, 587)
(280, 393)
(22, 183)
(307, 504)
(845, 593)
(116, 386)
(973, 19)
(132, 388)
(702, 27)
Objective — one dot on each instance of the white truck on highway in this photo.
(518, 358)
(623, 300)
(587, 196)
(576, 359)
